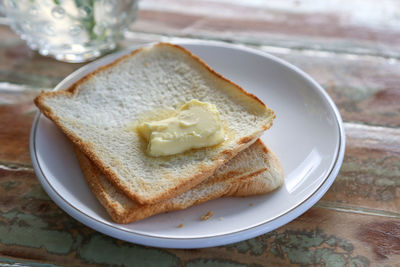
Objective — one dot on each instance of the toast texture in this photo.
(255, 170)
(100, 113)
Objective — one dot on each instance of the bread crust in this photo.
(203, 172)
(263, 179)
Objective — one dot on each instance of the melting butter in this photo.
(196, 125)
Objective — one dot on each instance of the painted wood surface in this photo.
(350, 47)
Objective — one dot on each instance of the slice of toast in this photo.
(100, 113)
(255, 170)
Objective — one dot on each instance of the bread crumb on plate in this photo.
(180, 225)
(207, 216)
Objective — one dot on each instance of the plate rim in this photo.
(195, 242)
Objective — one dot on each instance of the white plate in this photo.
(307, 136)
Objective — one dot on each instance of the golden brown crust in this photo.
(241, 186)
(245, 140)
(90, 173)
(111, 175)
(135, 212)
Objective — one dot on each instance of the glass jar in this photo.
(70, 30)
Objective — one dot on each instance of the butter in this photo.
(195, 125)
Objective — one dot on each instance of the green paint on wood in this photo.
(301, 256)
(256, 246)
(372, 168)
(312, 239)
(29, 230)
(334, 259)
(311, 248)
(32, 220)
(10, 214)
(343, 244)
(104, 250)
(53, 241)
(359, 262)
(38, 81)
(12, 262)
(386, 182)
(9, 185)
(277, 252)
(77, 241)
(241, 247)
(213, 263)
(329, 257)
(331, 241)
(37, 192)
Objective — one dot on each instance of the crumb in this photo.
(207, 216)
(180, 226)
(251, 204)
(220, 218)
(146, 64)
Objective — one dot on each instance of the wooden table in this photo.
(352, 48)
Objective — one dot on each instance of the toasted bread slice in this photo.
(255, 170)
(100, 112)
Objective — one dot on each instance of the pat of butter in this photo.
(196, 125)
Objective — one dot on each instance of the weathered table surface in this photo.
(352, 48)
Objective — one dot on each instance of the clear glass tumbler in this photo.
(70, 30)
